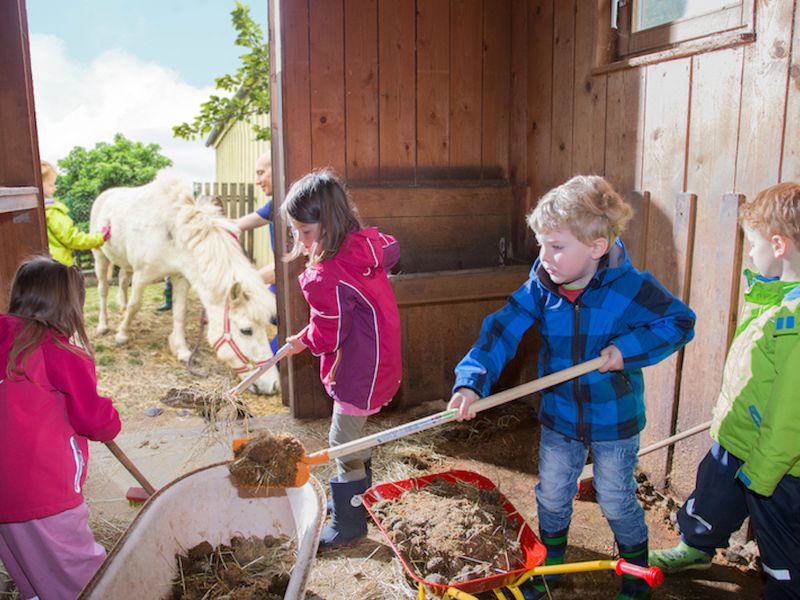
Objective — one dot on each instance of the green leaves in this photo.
(249, 86)
(87, 173)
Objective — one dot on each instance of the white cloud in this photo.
(81, 105)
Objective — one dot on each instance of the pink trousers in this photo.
(53, 557)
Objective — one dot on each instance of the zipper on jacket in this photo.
(76, 454)
(576, 357)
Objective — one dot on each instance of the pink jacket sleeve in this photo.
(73, 374)
(327, 325)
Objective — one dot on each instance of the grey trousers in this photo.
(346, 428)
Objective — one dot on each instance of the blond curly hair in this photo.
(587, 206)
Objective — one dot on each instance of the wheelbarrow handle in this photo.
(652, 575)
(282, 352)
(446, 416)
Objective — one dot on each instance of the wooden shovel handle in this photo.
(282, 352)
(130, 467)
(446, 416)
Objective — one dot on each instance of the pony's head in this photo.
(239, 336)
(239, 304)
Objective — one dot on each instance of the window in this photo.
(648, 25)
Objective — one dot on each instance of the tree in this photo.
(249, 86)
(87, 173)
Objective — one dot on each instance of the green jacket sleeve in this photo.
(777, 449)
(64, 230)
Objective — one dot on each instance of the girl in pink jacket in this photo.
(354, 327)
(49, 406)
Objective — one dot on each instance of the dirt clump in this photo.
(451, 532)
(267, 461)
(250, 568)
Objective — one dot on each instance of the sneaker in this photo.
(680, 558)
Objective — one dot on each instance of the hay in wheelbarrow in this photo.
(454, 529)
(253, 567)
(267, 461)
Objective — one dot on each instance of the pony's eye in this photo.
(246, 331)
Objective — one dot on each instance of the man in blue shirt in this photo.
(260, 217)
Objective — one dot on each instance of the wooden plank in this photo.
(635, 236)
(540, 103)
(790, 165)
(296, 90)
(457, 286)
(433, 89)
(518, 150)
(625, 148)
(661, 380)
(326, 76)
(465, 88)
(561, 149)
(764, 81)
(430, 202)
(496, 88)
(361, 73)
(663, 174)
(396, 43)
(714, 293)
(305, 395)
(711, 172)
(589, 129)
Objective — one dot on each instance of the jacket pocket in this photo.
(77, 455)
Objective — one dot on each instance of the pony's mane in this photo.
(210, 237)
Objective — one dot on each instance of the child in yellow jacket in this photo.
(62, 235)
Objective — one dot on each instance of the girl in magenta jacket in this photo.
(354, 327)
(49, 406)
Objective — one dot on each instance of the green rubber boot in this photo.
(680, 558)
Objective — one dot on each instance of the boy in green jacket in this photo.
(62, 235)
(753, 467)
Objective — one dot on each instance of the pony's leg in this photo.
(122, 291)
(101, 268)
(177, 339)
(131, 309)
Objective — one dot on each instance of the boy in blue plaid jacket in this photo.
(587, 300)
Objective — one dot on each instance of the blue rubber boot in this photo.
(368, 469)
(347, 526)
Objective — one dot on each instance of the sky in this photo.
(137, 67)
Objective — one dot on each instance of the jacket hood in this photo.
(362, 250)
(612, 266)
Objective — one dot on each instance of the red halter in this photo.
(226, 338)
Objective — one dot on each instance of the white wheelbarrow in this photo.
(205, 506)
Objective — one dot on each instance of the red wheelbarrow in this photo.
(533, 550)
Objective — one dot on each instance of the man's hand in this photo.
(106, 231)
(463, 400)
(614, 361)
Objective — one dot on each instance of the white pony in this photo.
(158, 230)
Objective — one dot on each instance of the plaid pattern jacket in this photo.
(620, 306)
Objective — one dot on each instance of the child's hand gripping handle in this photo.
(652, 575)
(282, 352)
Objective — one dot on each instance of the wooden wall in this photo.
(409, 102)
(22, 225)
(689, 130)
(520, 92)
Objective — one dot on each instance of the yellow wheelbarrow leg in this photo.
(458, 594)
(652, 575)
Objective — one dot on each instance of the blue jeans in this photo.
(561, 460)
